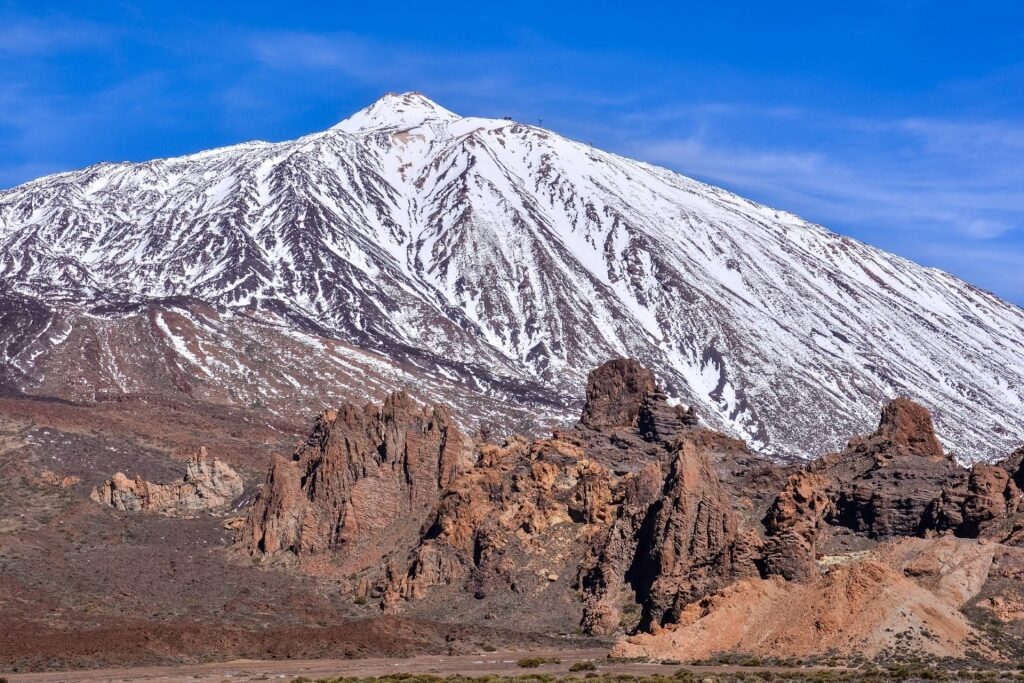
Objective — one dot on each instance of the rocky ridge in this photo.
(639, 520)
(361, 486)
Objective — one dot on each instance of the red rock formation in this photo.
(652, 512)
(991, 504)
(361, 486)
(904, 598)
(604, 578)
(694, 545)
(615, 392)
(904, 429)
(793, 524)
(497, 526)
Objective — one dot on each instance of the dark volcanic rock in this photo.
(615, 392)
(889, 482)
(658, 421)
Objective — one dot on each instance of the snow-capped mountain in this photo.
(502, 261)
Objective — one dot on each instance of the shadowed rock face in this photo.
(678, 534)
(694, 545)
(207, 485)
(615, 392)
(886, 483)
(362, 484)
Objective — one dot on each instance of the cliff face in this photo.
(695, 544)
(886, 483)
(511, 525)
(360, 487)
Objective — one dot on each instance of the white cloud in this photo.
(34, 37)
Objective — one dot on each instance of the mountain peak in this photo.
(396, 110)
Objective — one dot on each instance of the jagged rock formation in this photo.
(793, 525)
(885, 484)
(207, 485)
(360, 487)
(503, 525)
(694, 545)
(615, 392)
(383, 494)
(606, 577)
(490, 262)
(638, 520)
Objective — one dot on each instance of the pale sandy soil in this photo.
(502, 662)
(249, 670)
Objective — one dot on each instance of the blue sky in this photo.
(900, 123)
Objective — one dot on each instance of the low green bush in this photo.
(534, 662)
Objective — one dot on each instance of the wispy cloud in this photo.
(920, 175)
(34, 37)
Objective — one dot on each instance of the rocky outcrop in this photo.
(360, 487)
(615, 392)
(515, 522)
(793, 525)
(990, 505)
(609, 577)
(888, 483)
(904, 598)
(676, 537)
(51, 478)
(635, 520)
(694, 545)
(207, 485)
(904, 429)
(658, 421)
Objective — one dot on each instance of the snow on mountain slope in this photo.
(489, 251)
